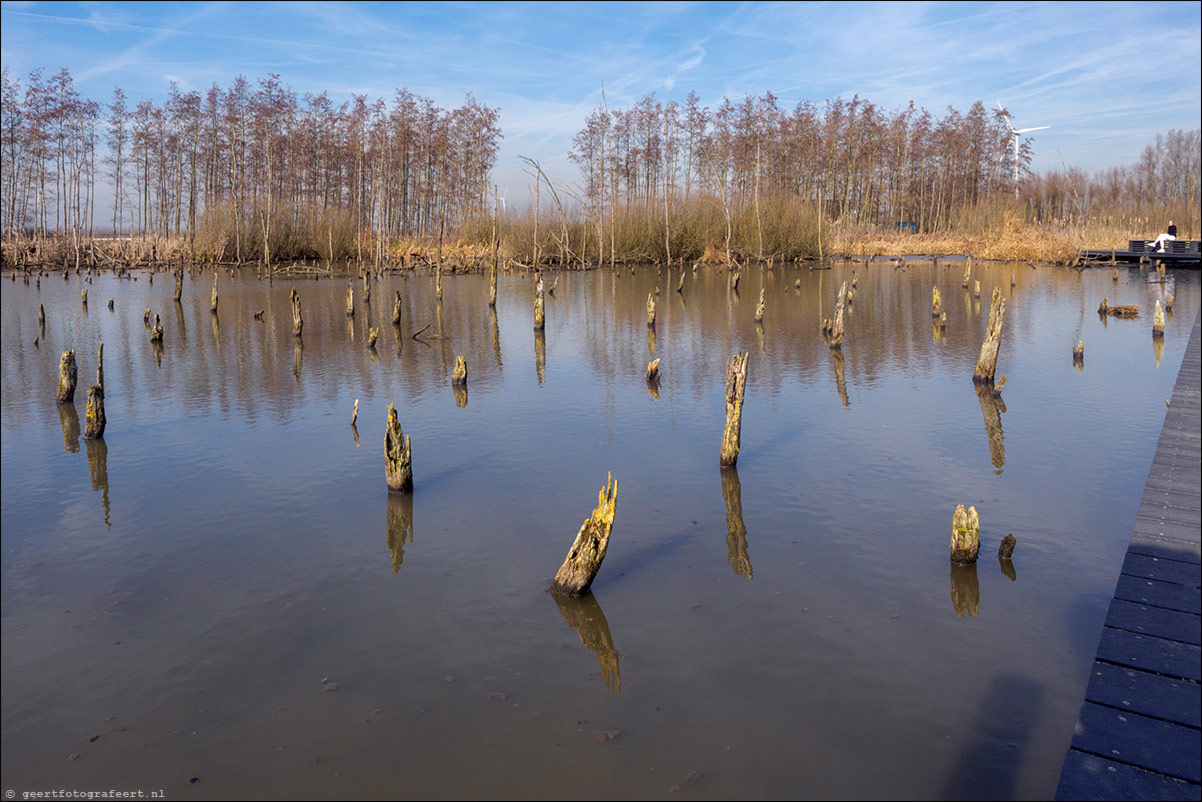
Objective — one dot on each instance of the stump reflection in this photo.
(966, 590)
(399, 515)
(736, 531)
(98, 470)
(69, 419)
(584, 614)
(992, 407)
(540, 354)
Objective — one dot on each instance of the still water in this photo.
(225, 593)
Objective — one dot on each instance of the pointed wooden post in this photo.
(398, 470)
(459, 372)
(836, 328)
(1158, 321)
(651, 310)
(680, 284)
(987, 362)
(298, 322)
(580, 567)
(736, 383)
(966, 535)
(653, 370)
(67, 376)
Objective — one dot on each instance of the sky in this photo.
(1106, 77)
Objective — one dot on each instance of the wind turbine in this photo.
(1014, 135)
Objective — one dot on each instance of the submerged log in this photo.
(67, 375)
(936, 302)
(580, 567)
(987, 362)
(1158, 321)
(213, 297)
(94, 415)
(398, 469)
(651, 310)
(298, 322)
(759, 308)
(966, 535)
(459, 372)
(736, 384)
(1006, 549)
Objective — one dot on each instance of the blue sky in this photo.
(1107, 77)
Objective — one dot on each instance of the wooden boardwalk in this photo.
(1138, 732)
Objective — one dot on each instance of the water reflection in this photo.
(460, 391)
(355, 432)
(540, 354)
(216, 328)
(736, 531)
(1158, 349)
(496, 334)
(992, 407)
(298, 357)
(69, 419)
(759, 335)
(653, 386)
(840, 384)
(399, 515)
(98, 456)
(181, 329)
(966, 591)
(651, 340)
(1007, 567)
(584, 614)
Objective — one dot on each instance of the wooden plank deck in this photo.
(1138, 732)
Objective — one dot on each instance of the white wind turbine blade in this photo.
(1038, 128)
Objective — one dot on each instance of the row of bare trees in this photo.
(256, 156)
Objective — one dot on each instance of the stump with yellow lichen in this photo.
(583, 562)
(736, 384)
(398, 468)
(966, 535)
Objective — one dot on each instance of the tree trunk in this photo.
(987, 363)
(213, 297)
(398, 471)
(539, 305)
(298, 322)
(736, 383)
(579, 568)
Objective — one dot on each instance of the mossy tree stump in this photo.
(94, 416)
(398, 468)
(584, 558)
(936, 303)
(987, 362)
(67, 377)
(966, 535)
(736, 384)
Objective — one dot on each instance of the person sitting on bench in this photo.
(1168, 236)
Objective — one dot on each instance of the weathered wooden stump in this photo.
(580, 567)
(100, 366)
(367, 289)
(438, 282)
(1079, 351)
(213, 297)
(298, 322)
(966, 535)
(734, 280)
(41, 317)
(651, 310)
(797, 284)
(179, 285)
(1104, 307)
(736, 531)
(1006, 549)
(373, 333)
(539, 305)
(492, 284)
(987, 362)
(350, 300)
(976, 289)
(94, 415)
(459, 372)
(942, 320)
(936, 302)
(156, 331)
(398, 469)
(680, 284)
(967, 272)
(653, 370)
(759, 308)
(736, 384)
(67, 376)
(836, 325)
(83, 294)
(540, 354)
(355, 412)
(1158, 321)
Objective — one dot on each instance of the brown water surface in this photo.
(224, 591)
